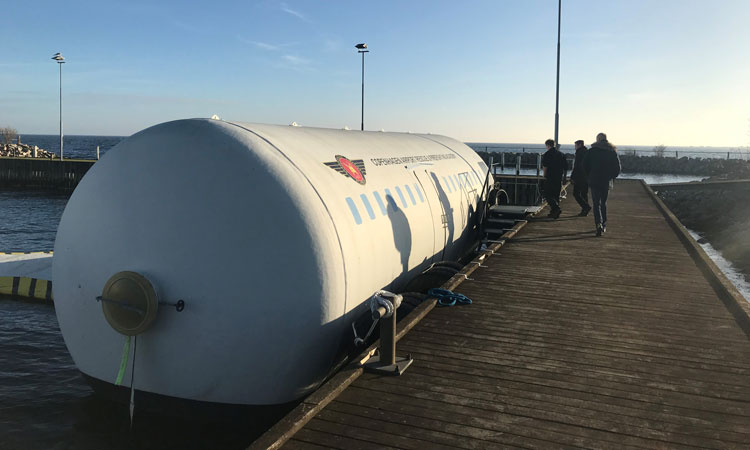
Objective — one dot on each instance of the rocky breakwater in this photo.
(25, 151)
(713, 167)
(721, 215)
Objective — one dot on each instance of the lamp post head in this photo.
(361, 48)
(59, 58)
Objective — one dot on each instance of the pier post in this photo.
(518, 173)
(386, 362)
(97, 152)
(538, 163)
(388, 340)
(518, 164)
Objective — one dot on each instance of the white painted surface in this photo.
(249, 226)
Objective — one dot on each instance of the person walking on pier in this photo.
(601, 165)
(555, 167)
(578, 178)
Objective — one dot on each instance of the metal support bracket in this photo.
(386, 362)
(179, 305)
(397, 368)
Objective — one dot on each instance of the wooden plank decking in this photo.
(572, 341)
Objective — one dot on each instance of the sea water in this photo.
(74, 147)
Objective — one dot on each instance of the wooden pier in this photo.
(630, 340)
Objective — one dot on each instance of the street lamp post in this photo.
(60, 61)
(362, 48)
(557, 88)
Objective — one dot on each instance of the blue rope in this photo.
(448, 298)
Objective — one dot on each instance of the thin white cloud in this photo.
(265, 45)
(285, 60)
(296, 60)
(297, 14)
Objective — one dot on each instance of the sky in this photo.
(670, 72)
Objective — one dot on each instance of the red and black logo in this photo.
(355, 169)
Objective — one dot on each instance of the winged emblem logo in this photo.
(354, 169)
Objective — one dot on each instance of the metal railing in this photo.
(520, 175)
(522, 163)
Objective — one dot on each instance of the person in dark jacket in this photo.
(578, 178)
(601, 165)
(555, 168)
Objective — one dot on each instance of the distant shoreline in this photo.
(621, 147)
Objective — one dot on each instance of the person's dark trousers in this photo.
(552, 194)
(599, 199)
(581, 194)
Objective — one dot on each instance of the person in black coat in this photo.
(578, 178)
(555, 168)
(601, 165)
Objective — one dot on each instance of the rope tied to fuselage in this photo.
(123, 361)
(388, 301)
